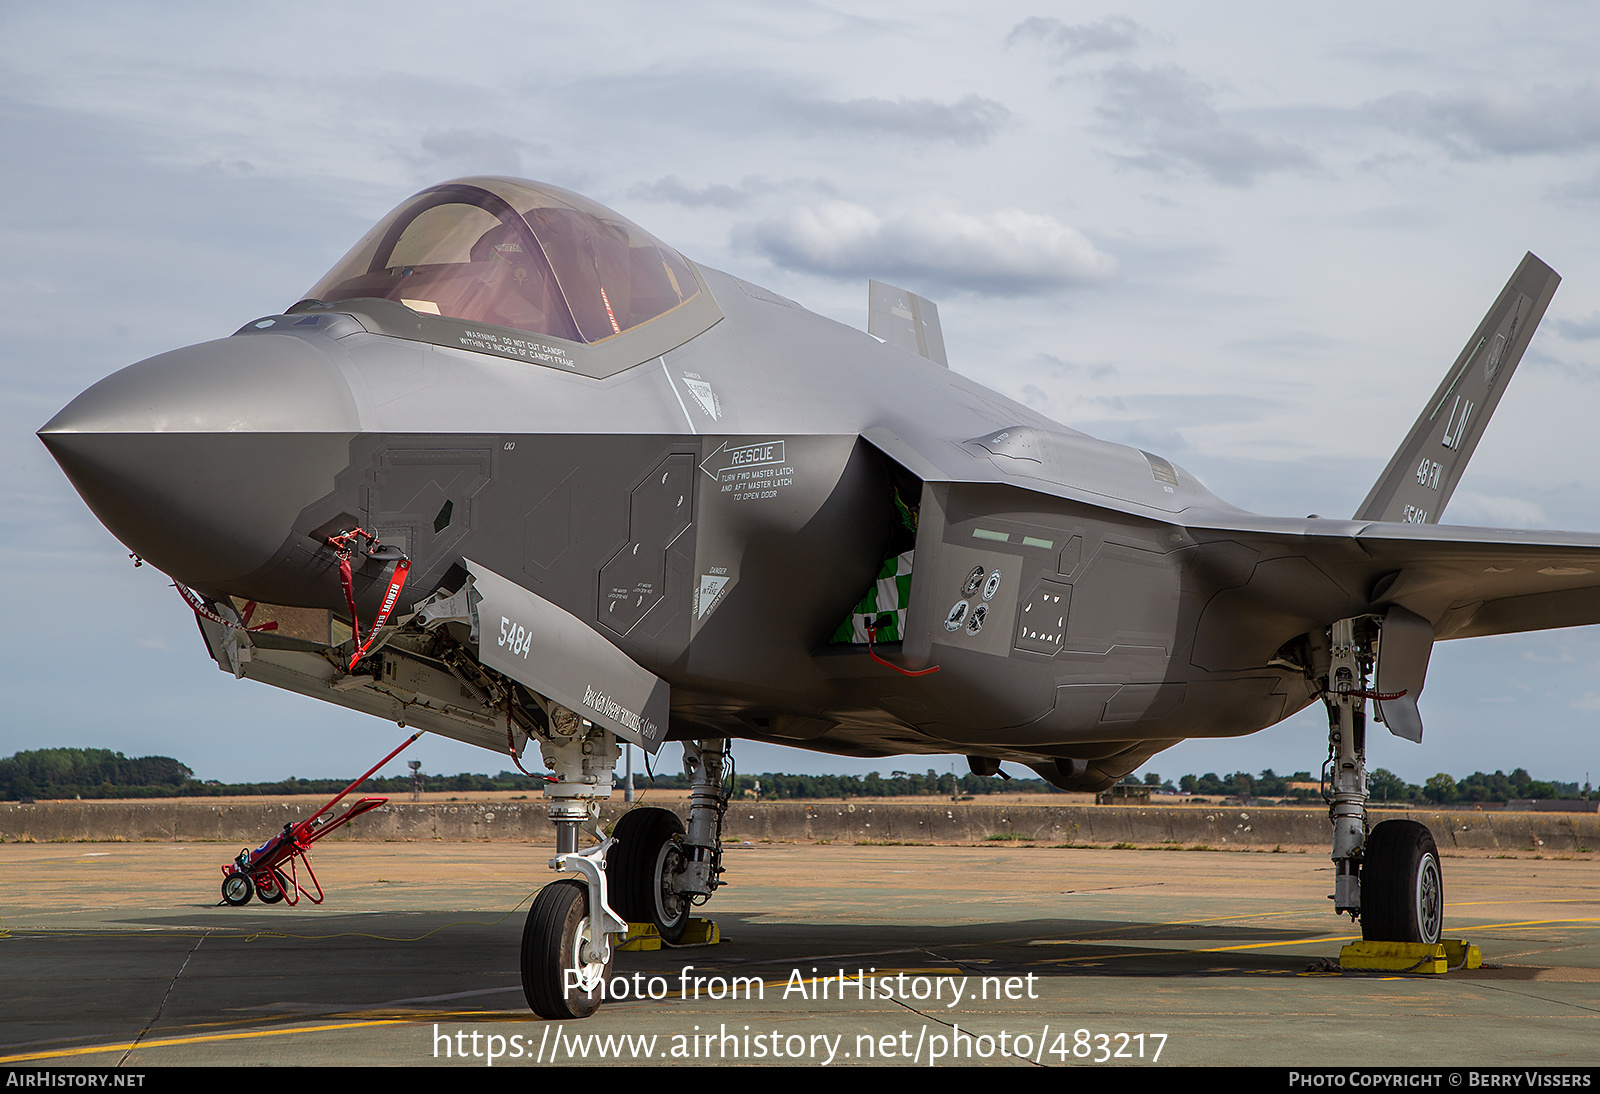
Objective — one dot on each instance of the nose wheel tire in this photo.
(640, 869)
(1402, 887)
(558, 980)
(237, 890)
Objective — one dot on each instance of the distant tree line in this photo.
(102, 773)
(899, 784)
(90, 773)
(1385, 786)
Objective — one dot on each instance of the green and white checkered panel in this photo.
(885, 605)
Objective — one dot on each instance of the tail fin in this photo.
(906, 320)
(1424, 470)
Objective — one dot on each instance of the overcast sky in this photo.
(1246, 236)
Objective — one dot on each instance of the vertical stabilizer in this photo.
(1424, 471)
(906, 320)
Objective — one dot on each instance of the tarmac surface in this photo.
(114, 954)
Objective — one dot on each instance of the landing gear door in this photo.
(1404, 644)
(556, 654)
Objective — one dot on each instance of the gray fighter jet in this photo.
(520, 474)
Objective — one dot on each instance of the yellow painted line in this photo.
(1529, 900)
(1175, 923)
(1155, 943)
(1290, 942)
(1098, 957)
(55, 1054)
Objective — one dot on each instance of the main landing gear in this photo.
(648, 859)
(1388, 878)
(651, 870)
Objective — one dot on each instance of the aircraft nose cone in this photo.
(201, 459)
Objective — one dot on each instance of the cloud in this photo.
(1491, 511)
(1382, 54)
(1590, 702)
(1062, 367)
(1539, 358)
(1007, 253)
(1579, 330)
(671, 190)
(1168, 111)
(970, 120)
(472, 152)
(1476, 125)
(1578, 191)
(1116, 34)
(1303, 344)
(752, 104)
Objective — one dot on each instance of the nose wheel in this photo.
(1402, 888)
(562, 975)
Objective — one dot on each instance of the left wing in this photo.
(1469, 582)
(1465, 582)
(1423, 582)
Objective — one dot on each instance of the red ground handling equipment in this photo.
(271, 871)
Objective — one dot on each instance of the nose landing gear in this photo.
(565, 961)
(567, 941)
(651, 870)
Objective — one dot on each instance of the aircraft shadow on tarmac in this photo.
(452, 956)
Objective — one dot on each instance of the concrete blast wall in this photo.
(1233, 827)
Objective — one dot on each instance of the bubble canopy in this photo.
(515, 254)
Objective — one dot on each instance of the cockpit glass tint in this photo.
(515, 254)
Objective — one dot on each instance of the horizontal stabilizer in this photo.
(906, 320)
(1423, 472)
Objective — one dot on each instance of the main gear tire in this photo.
(640, 869)
(1402, 886)
(557, 980)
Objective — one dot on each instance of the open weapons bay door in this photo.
(556, 654)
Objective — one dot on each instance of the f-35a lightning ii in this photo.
(518, 473)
